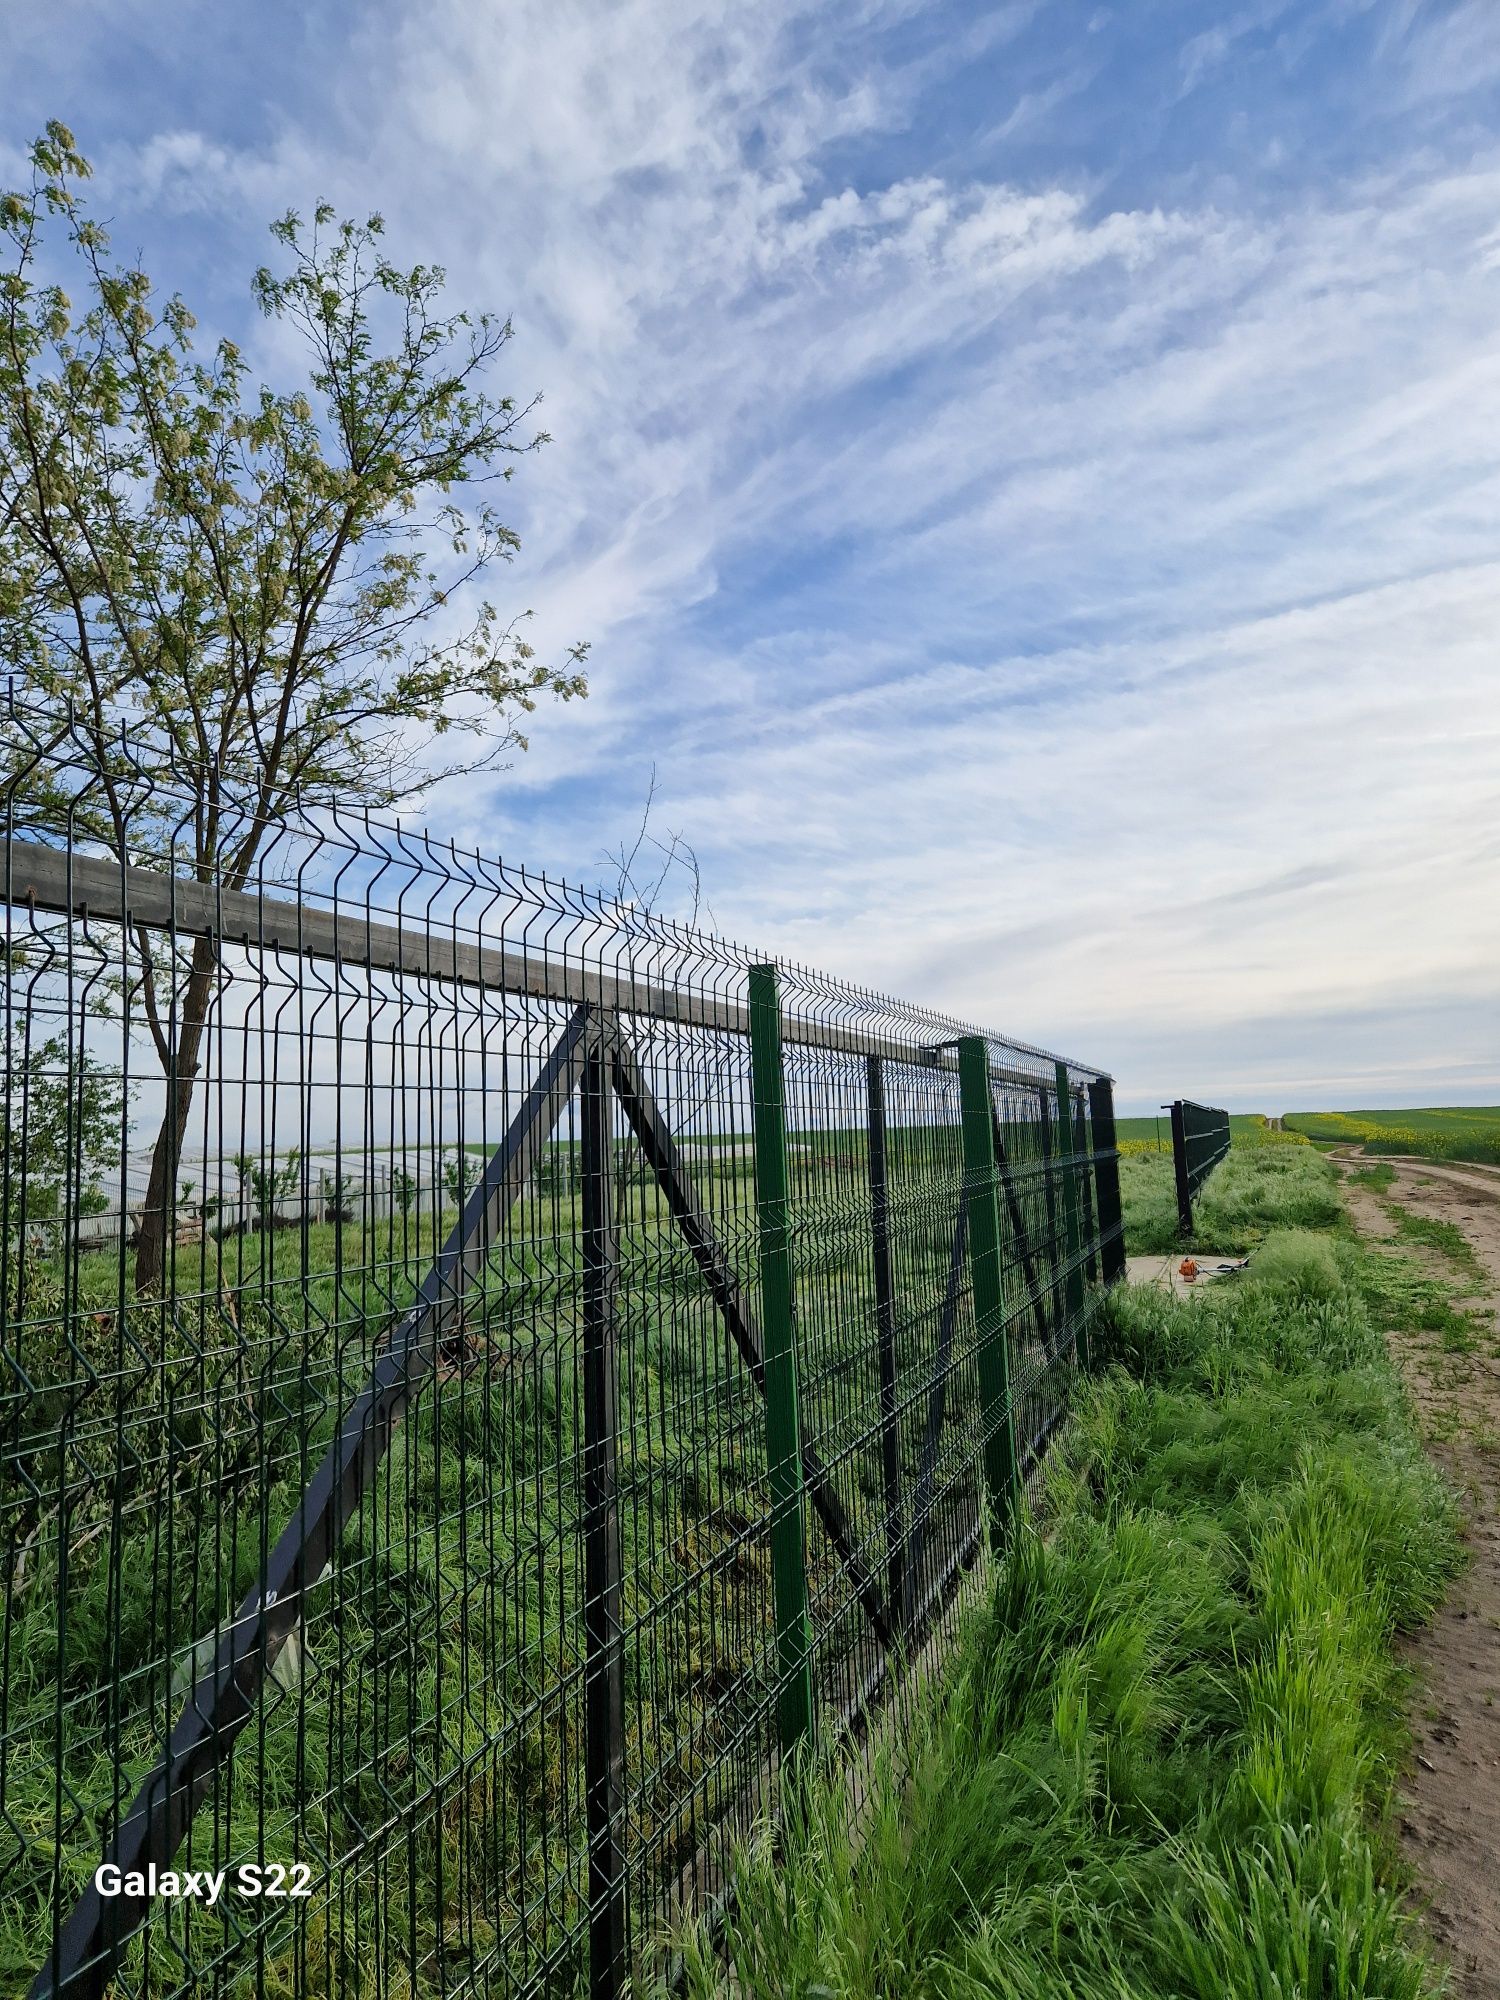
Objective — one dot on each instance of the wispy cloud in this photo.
(1203, 52)
(1059, 588)
(1453, 52)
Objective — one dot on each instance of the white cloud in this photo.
(1076, 614)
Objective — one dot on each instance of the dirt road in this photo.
(1450, 1819)
(1461, 1171)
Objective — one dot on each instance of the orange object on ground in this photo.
(1187, 1269)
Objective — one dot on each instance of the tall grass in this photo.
(1160, 1763)
(1254, 1191)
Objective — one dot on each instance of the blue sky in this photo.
(1028, 473)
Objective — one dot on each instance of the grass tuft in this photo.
(1446, 1238)
(1161, 1760)
(1298, 1260)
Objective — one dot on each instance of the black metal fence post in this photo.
(885, 1321)
(1107, 1180)
(794, 1639)
(604, 1693)
(1180, 1167)
(1072, 1230)
(987, 1269)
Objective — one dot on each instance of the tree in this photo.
(334, 1191)
(460, 1171)
(268, 1183)
(637, 900)
(61, 1115)
(273, 593)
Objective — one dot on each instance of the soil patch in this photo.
(1450, 1818)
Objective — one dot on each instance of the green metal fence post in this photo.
(885, 1329)
(1072, 1233)
(1056, 1305)
(1083, 1147)
(981, 1194)
(783, 1419)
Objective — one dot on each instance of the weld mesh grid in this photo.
(1205, 1132)
(419, 1742)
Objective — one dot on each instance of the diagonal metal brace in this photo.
(86, 1950)
(651, 1129)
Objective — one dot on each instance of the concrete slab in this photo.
(1167, 1272)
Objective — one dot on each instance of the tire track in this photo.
(1450, 1818)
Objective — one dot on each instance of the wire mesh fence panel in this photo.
(1200, 1140)
(700, 1677)
(389, 1389)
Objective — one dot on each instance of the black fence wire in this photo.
(1200, 1140)
(485, 1374)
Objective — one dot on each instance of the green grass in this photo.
(1300, 1262)
(1446, 1238)
(1255, 1190)
(1401, 1296)
(1378, 1178)
(1439, 1132)
(1160, 1766)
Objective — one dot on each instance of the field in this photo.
(1246, 1128)
(1163, 1760)
(1439, 1132)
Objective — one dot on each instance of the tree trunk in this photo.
(156, 1221)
